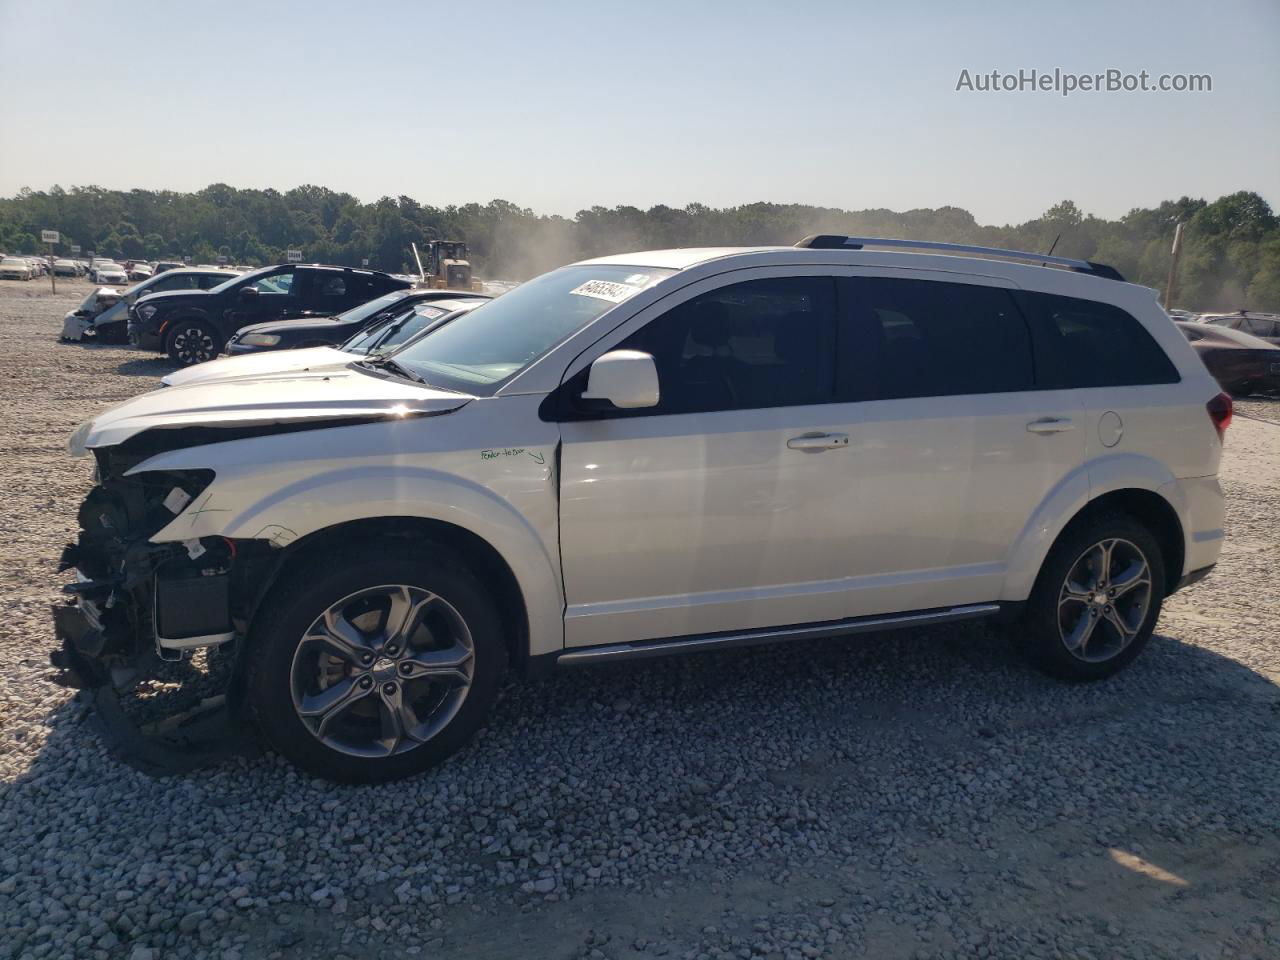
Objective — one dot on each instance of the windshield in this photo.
(392, 330)
(494, 342)
(372, 308)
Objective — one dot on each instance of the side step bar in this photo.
(749, 638)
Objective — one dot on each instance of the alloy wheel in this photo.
(193, 345)
(1104, 600)
(382, 671)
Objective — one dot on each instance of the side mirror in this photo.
(628, 379)
(249, 293)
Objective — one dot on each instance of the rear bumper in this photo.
(1201, 510)
(1195, 576)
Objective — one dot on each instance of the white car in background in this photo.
(104, 313)
(139, 271)
(15, 268)
(648, 454)
(65, 268)
(109, 273)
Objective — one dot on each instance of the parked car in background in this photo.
(109, 273)
(104, 314)
(192, 327)
(313, 332)
(1240, 362)
(163, 265)
(15, 268)
(1266, 326)
(381, 338)
(646, 454)
(65, 268)
(139, 271)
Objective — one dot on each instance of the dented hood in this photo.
(287, 397)
(260, 364)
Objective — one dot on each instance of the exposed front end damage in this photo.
(175, 551)
(150, 630)
(102, 307)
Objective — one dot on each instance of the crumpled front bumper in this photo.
(80, 640)
(75, 325)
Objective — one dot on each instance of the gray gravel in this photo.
(912, 795)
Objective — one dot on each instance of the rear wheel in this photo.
(377, 667)
(1097, 599)
(193, 341)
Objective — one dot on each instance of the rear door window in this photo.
(903, 338)
(1084, 343)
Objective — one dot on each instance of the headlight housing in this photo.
(260, 339)
(147, 311)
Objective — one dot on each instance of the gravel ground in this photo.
(914, 795)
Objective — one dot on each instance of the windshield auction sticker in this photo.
(606, 290)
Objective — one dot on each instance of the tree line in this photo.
(1231, 253)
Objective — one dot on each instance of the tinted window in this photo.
(332, 286)
(1083, 343)
(761, 343)
(923, 338)
(1259, 327)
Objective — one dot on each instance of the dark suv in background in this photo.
(192, 326)
(331, 331)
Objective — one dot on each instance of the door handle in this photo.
(819, 441)
(1051, 425)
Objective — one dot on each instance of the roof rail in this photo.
(830, 241)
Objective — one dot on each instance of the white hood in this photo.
(334, 393)
(258, 364)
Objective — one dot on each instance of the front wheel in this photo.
(374, 666)
(1096, 601)
(193, 341)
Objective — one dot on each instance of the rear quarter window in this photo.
(1084, 343)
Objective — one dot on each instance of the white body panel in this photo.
(257, 364)
(700, 523)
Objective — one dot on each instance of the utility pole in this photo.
(1173, 267)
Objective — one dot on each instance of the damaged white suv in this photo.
(648, 454)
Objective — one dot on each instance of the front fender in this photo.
(513, 509)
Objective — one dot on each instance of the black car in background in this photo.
(192, 326)
(1265, 326)
(312, 332)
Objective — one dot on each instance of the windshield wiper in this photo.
(387, 363)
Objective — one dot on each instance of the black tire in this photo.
(193, 341)
(1049, 624)
(277, 659)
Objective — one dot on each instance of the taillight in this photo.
(1220, 409)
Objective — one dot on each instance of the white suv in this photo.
(655, 453)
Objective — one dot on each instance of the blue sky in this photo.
(561, 105)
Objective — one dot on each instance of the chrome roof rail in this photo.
(830, 241)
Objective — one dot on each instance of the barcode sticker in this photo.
(606, 290)
(177, 500)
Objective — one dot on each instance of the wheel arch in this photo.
(480, 557)
(1155, 513)
(183, 316)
